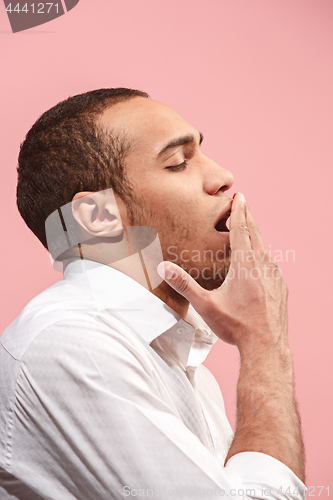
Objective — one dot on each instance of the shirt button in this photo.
(181, 330)
(204, 335)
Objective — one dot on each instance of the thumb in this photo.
(182, 282)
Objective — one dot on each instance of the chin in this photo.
(210, 277)
(210, 284)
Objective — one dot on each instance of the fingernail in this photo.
(165, 271)
(242, 198)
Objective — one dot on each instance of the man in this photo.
(103, 391)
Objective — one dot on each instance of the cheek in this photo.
(170, 205)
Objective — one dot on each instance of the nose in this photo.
(216, 178)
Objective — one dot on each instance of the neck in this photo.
(131, 265)
(173, 299)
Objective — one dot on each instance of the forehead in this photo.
(146, 123)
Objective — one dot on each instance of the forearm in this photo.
(267, 416)
(250, 310)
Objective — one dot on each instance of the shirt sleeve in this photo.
(90, 422)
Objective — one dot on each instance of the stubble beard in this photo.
(208, 274)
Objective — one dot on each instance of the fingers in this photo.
(182, 282)
(240, 241)
(244, 233)
(255, 236)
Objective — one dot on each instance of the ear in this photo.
(97, 213)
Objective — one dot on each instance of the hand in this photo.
(250, 308)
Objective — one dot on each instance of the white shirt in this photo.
(103, 396)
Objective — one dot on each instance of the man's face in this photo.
(176, 189)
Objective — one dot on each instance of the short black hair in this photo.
(66, 152)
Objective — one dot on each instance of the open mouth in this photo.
(221, 226)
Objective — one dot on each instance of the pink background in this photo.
(256, 77)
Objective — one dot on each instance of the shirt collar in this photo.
(188, 341)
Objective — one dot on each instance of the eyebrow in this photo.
(181, 141)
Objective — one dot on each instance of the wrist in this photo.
(264, 343)
(266, 360)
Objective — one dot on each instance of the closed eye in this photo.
(177, 168)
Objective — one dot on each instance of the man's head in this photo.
(66, 152)
(160, 179)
